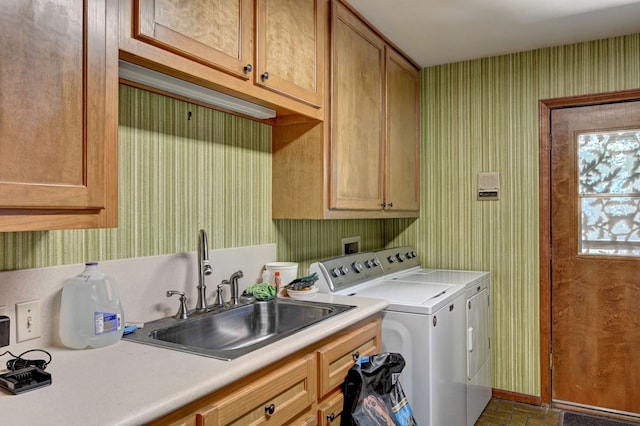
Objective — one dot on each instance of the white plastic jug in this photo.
(90, 312)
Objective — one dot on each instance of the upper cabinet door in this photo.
(290, 39)
(217, 33)
(402, 189)
(357, 136)
(58, 115)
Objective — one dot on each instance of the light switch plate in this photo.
(27, 320)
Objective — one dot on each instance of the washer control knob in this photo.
(391, 259)
(357, 266)
(412, 254)
(370, 263)
(335, 272)
(375, 262)
(401, 257)
(344, 270)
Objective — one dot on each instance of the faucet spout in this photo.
(234, 286)
(204, 269)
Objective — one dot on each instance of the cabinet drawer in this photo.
(307, 419)
(337, 357)
(330, 410)
(288, 390)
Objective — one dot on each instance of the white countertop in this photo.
(130, 383)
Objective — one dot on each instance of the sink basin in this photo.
(229, 333)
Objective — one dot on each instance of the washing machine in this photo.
(426, 321)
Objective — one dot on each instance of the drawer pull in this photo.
(270, 409)
(331, 417)
(355, 355)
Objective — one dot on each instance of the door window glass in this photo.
(609, 192)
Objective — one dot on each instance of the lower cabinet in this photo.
(277, 397)
(330, 409)
(302, 389)
(338, 356)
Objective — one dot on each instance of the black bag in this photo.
(373, 395)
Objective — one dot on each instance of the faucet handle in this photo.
(220, 299)
(183, 312)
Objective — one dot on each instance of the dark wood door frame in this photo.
(545, 107)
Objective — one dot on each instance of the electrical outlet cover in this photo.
(350, 245)
(27, 320)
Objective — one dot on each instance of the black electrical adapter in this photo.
(4, 330)
(24, 380)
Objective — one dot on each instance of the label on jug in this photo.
(106, 322)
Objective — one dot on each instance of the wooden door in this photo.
(215, 33)
(58, 115)
(595, 268)
(290, 39)
(357, 137)
(402, 176)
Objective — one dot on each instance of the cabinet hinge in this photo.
(550, 360)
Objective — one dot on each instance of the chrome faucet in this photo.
(204, 269)
(234, 286)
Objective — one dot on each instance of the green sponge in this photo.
(262, 291)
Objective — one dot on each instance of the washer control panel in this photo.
(398, 258)
(345, 271)
(342, 272)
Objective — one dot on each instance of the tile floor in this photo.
(509, 413)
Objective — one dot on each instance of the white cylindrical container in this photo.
(288, 271)
(90, 312)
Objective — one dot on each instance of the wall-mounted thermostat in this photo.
(488, 186)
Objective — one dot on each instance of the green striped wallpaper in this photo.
(177, 174)
(214, 171)
(482, 116)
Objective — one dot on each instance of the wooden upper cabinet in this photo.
(270, 52)
(362, 162)
(216, 33)
(290, 48)
(402, 188)
(357, 123)
(58, 115)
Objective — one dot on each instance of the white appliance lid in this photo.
(407, 296)
(407, 293)
(441, 276)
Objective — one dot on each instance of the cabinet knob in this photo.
(270, 409)
(248, 68)
(355, 355)
(331, 417)
(265, 76)
(390, 205)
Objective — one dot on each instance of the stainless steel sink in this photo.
(229, 333)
